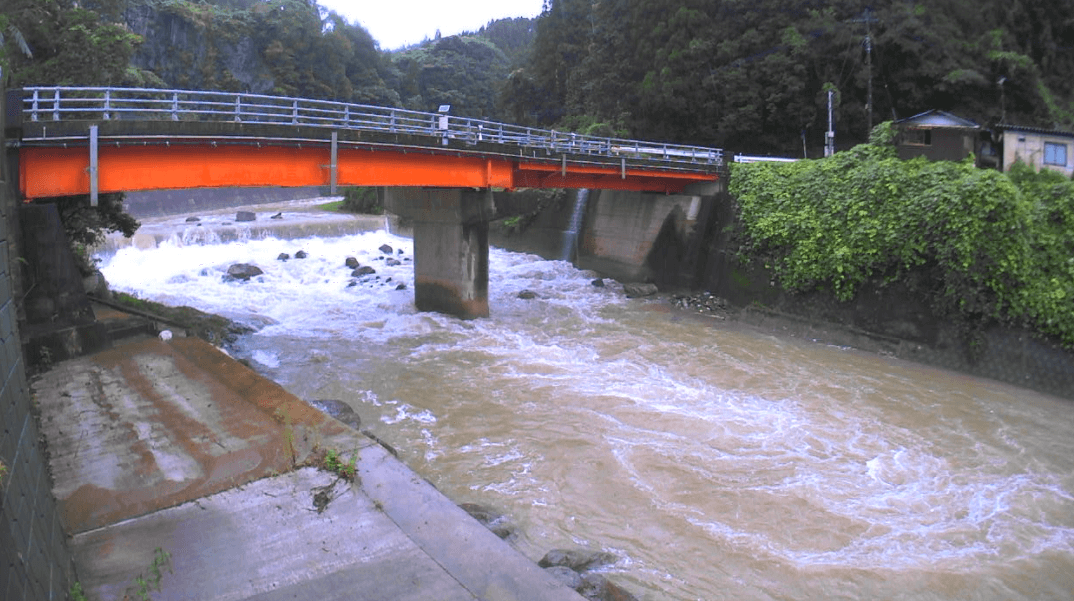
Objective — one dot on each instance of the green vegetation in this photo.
(984, 246)
(334, 462)
(361, 199)
(3, 473)
(161, 559)
(76, 593)
(87, 226)
(462, 71)
(211, 328)
(753, 75)
(335, 206)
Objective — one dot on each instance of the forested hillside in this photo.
(748, 75)
(753, 75)
(288, 47)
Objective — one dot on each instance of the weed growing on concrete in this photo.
(334, 463)
(76, 593)
(288, 433)
(161, 559)
(3, 473)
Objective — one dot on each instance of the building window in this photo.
(917, 137)
(1055, 154)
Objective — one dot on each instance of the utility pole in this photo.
(829, 137)
(868, 19)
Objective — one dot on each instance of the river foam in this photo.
(769, 468)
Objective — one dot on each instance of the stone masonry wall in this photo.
(35, 564)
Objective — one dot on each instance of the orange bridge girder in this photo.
(47, 171)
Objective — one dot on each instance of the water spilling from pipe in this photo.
(570, 237)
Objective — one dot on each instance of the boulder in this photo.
(351, 263)
(401, 287)
(339, 410)
(491, 519)
(638, 290)
(243, 271)
(277, 216)
(384, 248)
(598, 588)
(245, 216)
(527, 295)
(193, 219)
(578, 560)
(362, 271)
(283, 257)
(392, 262)
(598, 283)
(301, 254)
(567, 576)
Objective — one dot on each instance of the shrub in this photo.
(983, 245)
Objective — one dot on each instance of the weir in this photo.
(76, 141)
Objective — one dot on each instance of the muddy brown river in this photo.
(717, 461)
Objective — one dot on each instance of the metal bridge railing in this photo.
(147, 104)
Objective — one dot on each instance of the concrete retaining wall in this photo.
(639, 237)
(158, 203)
(678, 243)
(35, 564)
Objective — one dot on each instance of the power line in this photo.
(868, 19)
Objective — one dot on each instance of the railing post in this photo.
(335, 163)
(294, 112)
(347, 116)
(56, 106)
(93, 170)
(33, 115)
(107, 103)
(391, 126)
(238, 108)
(175, 106)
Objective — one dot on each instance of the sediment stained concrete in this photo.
(173, 445)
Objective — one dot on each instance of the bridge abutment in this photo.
(451, 247)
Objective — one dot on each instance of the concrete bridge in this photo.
(437, 169)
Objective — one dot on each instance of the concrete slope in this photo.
(175, 446)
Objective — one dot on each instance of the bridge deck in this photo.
(177, 140)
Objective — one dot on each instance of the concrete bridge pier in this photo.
(451, 246)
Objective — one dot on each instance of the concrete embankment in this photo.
(172, 459)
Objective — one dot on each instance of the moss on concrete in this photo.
(211, 328)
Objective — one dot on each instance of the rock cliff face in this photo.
(201, 51)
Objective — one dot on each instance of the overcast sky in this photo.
(397, 23)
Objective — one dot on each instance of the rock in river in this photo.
(243, 271)
(361, 271)
(491, 519)
(339, 410)
(245, 216)
(638, 290)
(578, 560)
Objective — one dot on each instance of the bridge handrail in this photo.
(55, 103)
